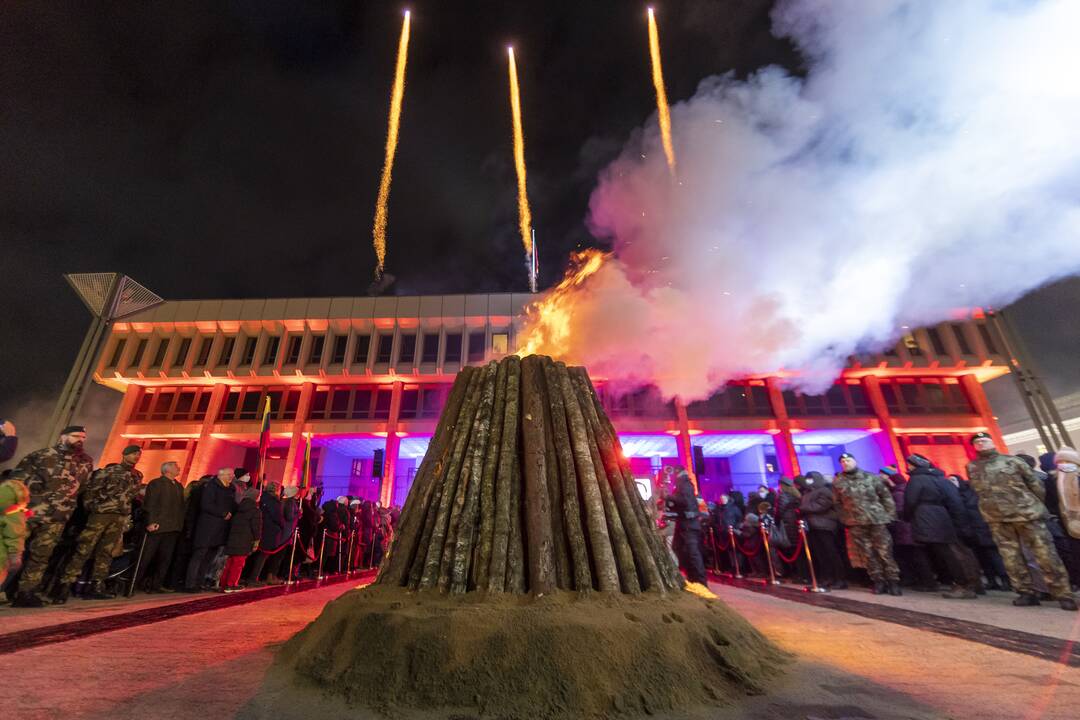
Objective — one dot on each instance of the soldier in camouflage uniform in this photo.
(1011, 502)
(54, 476)
(107, 497)
(866, 508)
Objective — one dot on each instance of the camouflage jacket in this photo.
(112, 488)
(1007, 488)
(861, 498)
(54, 476)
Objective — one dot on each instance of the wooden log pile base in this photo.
(524, 489)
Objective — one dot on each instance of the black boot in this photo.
(894, 588)
(27, 600)
(880, 588)
(1067, 604)
(61, 595)
(98, 592)
(1026, 600)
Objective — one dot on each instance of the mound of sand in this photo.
(412, 654)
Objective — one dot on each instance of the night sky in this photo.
(232, 148)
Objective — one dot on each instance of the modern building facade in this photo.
(363, 380)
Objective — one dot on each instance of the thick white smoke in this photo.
(929, 162)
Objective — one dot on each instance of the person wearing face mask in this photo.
(1011, 501)
(54, 476)
(866, 508)
(764, 494)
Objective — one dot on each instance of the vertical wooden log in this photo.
(470, 475)
(516, 554)
(609, 450)
(607, 576)
(504, 477)
(551, 467)
(571, 509)
(465, 540)
(540, 543)
(406, 540)
(480, 568)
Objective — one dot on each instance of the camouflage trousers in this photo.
(1035, 536)
(102, 538)
(43, 540)
(874, 545)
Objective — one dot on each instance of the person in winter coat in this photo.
(163, 509)
(816, 508)
(866, 508)
(979, 539)
(273, 537)
(762, 494)
(687, 527)
(217, 502)
(335, 525)
(14, 497)
(1063, 504)
(787, 515)
(244, 533)
(933, 521)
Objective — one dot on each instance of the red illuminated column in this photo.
(292, 469)
(686, 452)
(393, 442)
(785, 446)
(982, 406)
(877, 402)
(115, 444)
(199, 460)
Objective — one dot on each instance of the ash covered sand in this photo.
(388, 652)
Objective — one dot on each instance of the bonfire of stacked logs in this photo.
(525, 489)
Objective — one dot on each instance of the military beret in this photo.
(847, 455)
(73, 429)
(131, 449)
(980, 436)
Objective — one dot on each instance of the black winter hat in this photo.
(916, 460)
(72, 429)
(131, 449)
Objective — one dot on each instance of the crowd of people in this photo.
(68, 528)
(1012, 525)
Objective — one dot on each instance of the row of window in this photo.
(937, 340)
(412, 348)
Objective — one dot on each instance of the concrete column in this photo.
(116, 441)
(685, 448)
(296, 442)
(393, 442)
(197, 467)
(872, 386)
(785, 445)
(975, 394)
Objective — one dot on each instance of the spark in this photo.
(663, 112)
(379, 230)
(524, 213)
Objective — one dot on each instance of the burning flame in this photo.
(662, 111)
(524, 213)
(393, 123)
(547, 321)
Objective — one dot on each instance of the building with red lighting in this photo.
(363, 380)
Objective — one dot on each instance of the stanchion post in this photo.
(138, 563)
(715, 550)
(348, 554)
(768, 554)
(813, 587)
(322, 549)
(292, 556)
(734, 552)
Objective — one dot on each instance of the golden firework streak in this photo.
(379, 230)
(661, 94)
(524, 214)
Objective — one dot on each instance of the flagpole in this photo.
(264, 443)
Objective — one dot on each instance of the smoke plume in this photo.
(928, 162)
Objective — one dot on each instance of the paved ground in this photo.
(212, 664)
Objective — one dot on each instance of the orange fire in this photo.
(547, 321)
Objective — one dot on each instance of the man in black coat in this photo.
(217, 502)
(816, 507)
(933, 517)
(687, 527)
(980, 540)
(163, 510)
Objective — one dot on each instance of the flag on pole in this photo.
(305, 478)
(264, 443)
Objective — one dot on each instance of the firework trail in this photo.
(663, 113)
(379, 230)
(524, 214)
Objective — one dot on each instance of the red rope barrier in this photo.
(794, 555)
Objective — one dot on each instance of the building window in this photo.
(382, 403)
(140, 350)
(922, 396)
(341, 342)
(407, 349)
(500, 343)
(453, 348)
(410, 398)
(363, 346)
(249, 351)
(225, 356)
(384, 347)
(292, 354)
(961, 339)
(432, 399)
(175, 404)
(645, 402)
(182, 352)
(204, 351)
(344, 402)
(912, 345)
(936, 342)
(159, 353)
(841, 399)
(272, 344)
(987, 338)
(247, 403)
(735, 400)
(429, 353)
(118, 352)
(476, 346)
(891, 351)
(315, 354)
